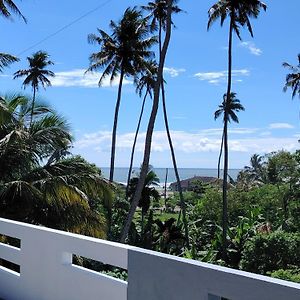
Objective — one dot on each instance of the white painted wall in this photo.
(47, 272)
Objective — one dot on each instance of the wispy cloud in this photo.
(281, 126)
(173, 72)
(78, 78)
(252, 48)
(221, 76)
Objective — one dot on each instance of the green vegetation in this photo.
(251, 224)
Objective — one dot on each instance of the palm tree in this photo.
(228, 109)
(7, 7)
(39, 183)
(148, 193)
(239, 12)
(6, 60)
(145, 80)
(123, 53)
(293, 79)
(169, 235)
(37, 74)
(149, 133)
(158, 15)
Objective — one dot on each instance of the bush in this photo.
(268, 253)
(290, 275)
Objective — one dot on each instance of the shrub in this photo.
(268, 253)
(290, 275)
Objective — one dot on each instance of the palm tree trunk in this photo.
(134, 142)
(150, 128)
(225, 171)
(142, 225)
(220, 156)
(114, 133)
(165, 193)
(32, 106)
(182, 202)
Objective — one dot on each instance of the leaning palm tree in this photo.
(123, 53)
(293, 79)
(239, 12)
(37, 74)
(228, 110)
(150, 128)
(158, 14)
(144, 81)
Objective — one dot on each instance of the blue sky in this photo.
(196, 80)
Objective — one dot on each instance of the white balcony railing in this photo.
(47, 272)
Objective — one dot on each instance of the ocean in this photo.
(120, 174)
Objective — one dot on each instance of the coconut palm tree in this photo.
(39, 183)
(228, 110)
(239, 12)
(144, 81)
(123, 53)
(293, 79)
(7, 7)
(158, 14)
(6, 60)
(150, 128)
(37, 74)
(148, 193)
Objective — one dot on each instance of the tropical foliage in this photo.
(293, 79)
(40, 182)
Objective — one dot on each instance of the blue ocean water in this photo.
(120, 174)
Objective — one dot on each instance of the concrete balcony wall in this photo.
(47, 272)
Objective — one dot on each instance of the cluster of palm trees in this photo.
(239, 13)
(127, 52)
(40, 182)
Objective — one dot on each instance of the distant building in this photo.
(187, 184)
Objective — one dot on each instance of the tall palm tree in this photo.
(158, 15)
(145, 81)
(7, 7)
(228, 110)
(239, 12)
(148, 193)
(38, 183)
(123, 53)
(37, 74)
(150, 128)
(293, 79)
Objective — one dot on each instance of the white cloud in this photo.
(281, 126)
(189, 143)
(173, 72)
(221, 76)
(78, 78)
(252, 48)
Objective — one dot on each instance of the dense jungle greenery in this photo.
(251, 223)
